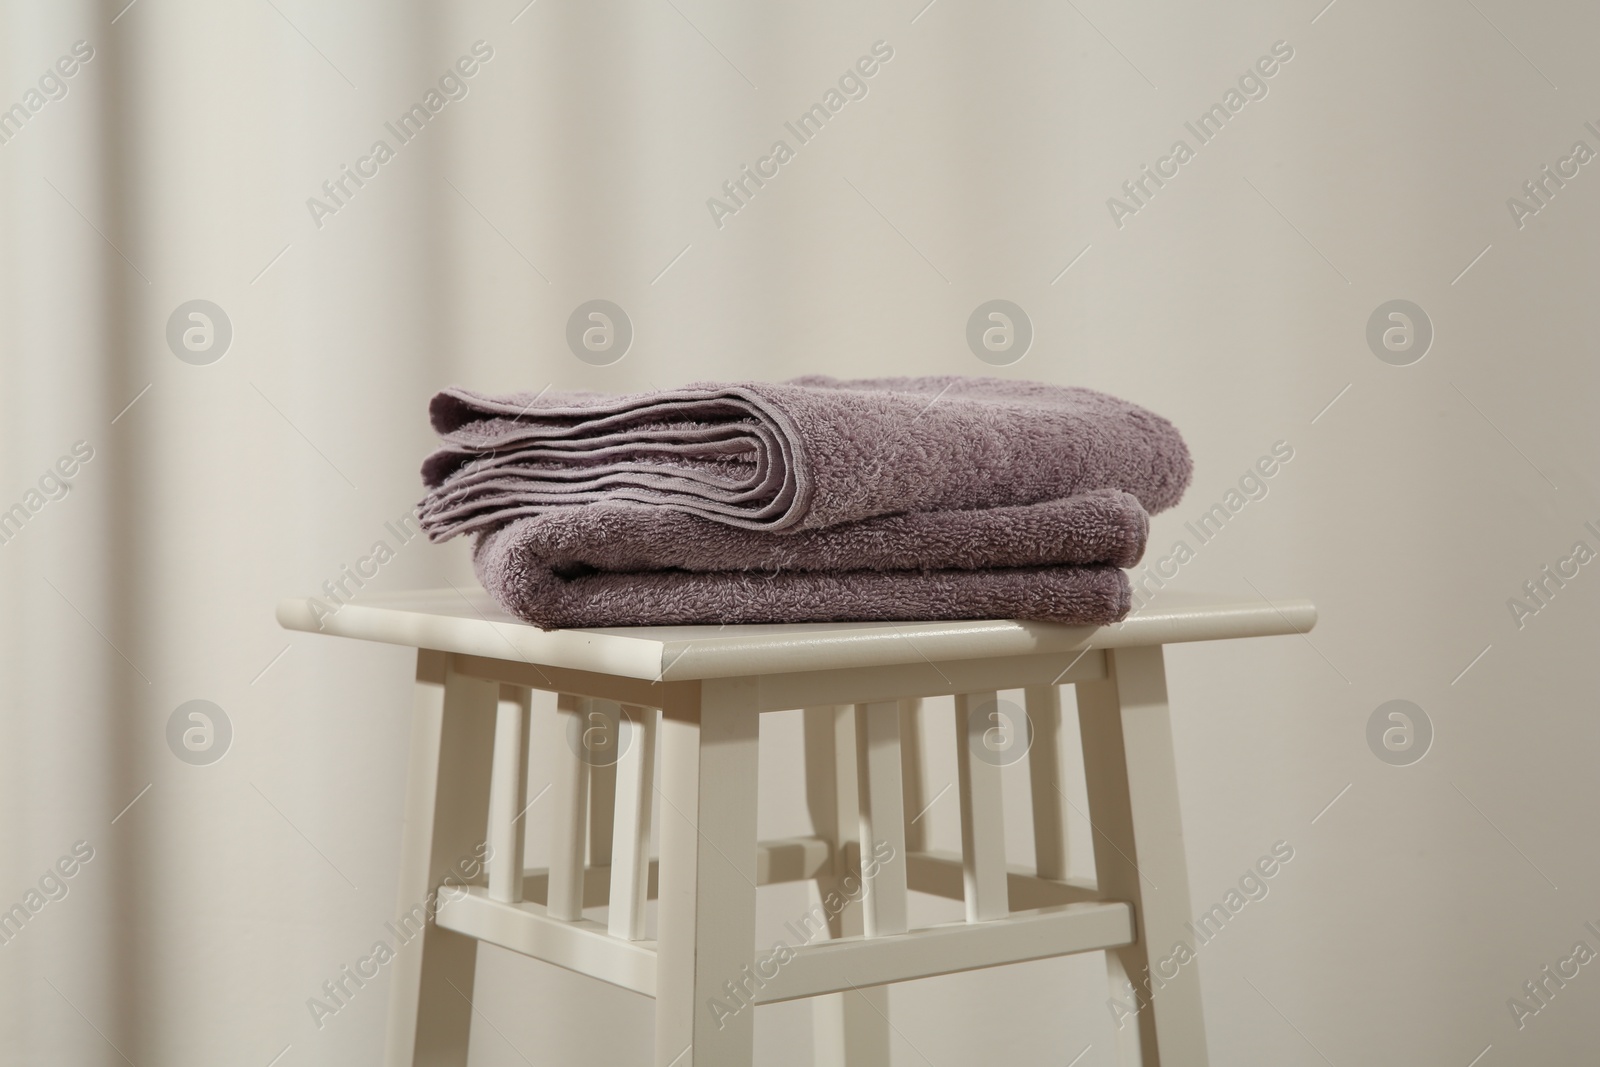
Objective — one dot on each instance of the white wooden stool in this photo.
(696, 693)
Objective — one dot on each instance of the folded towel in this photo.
(621, 564)
(1106, 526)
(525, 584)
(807, 501)
(800, 455)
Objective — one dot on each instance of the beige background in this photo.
(978, 167)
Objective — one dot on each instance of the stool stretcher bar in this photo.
(586, 947)
(834, 966)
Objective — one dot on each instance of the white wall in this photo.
(979, 165)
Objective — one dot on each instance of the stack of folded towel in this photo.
(804, 501)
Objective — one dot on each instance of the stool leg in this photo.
(447, 803)
(911, 774)
(1138, 857)
(707, 875)
(848, 1029)
(603, 782)
(830, 733)
(579, 729)
(630, 848)
(1047, 784)
(883, 820)
(508, 793)
(983, 824)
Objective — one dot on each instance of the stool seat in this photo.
(470, 623)
(661, 728)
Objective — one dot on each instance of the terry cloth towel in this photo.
(621, 564)
(800, 455)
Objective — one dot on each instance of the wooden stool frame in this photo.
(681, 690)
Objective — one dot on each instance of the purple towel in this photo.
(1105, 526)
(625, 564)
(525, 583)
(808, 501)
(793, 456)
